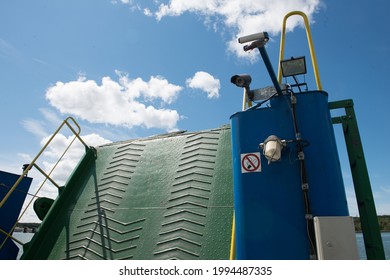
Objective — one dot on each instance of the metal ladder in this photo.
(33, 163)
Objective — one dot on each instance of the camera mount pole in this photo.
(270, 70)
(263, 52)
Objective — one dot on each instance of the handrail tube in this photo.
(40, 153)
(9, 236)
(77, 134)
(245, 100)
(311, 47)
(55, 165)
(47, 176)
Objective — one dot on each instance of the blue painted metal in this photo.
(269, 205)
(10, 211)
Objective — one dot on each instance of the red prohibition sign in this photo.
(250, 162)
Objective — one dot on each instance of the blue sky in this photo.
(128, 69)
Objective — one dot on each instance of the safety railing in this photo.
(311, 47)
(33, 163)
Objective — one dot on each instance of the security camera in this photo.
(243, 80)
(262, 36)
(258, 40)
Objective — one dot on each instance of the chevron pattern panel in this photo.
(164, 197)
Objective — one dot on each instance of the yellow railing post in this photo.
(311, 47)
(245, 100)
(233, 240)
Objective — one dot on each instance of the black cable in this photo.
(301, 144)
(258, 104)
(304, 180)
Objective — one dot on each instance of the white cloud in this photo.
(35, 127)
(56, 148)
(147, 12)
(241, 17)
(128, 2)
(25, 157)
(8, 51)
(63, 168)
(117, 103)
(205, 82)
(155, 88)
(51, 116)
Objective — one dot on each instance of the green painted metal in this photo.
(42, 206)
(366, 205)
(163, 197)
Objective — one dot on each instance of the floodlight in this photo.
(293, 66)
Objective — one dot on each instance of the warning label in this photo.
(250, 163)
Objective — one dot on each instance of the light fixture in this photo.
(272, 148)
(293, 66)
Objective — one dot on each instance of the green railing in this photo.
(361, 181)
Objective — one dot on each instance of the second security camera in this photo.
(243, 80)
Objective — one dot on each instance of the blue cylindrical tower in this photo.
(269, 203)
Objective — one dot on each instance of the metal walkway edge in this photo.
(163, 197)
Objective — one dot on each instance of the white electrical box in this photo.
(335, 238)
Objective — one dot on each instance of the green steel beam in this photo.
(365, 200)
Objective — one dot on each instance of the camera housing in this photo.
(243, 80)
(261, 36)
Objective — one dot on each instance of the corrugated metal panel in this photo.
(164, 197)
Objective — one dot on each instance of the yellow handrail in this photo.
(233, 240)
(310, 42)
(47, 176)
(245, 100)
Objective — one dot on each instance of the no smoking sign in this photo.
(250, 163)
